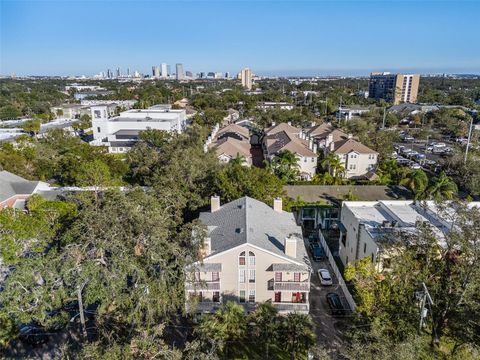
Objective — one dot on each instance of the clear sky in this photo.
(271, 37)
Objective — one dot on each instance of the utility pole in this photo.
(384, 116)
(424, 299)
(468, 140)
(80, 309)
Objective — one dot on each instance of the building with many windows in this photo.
(246, 78)
(253, 253)
(121, 132)
(396, 88)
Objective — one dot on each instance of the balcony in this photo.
(291, 285)
(203, 285)
(292, 307)
(204, 307)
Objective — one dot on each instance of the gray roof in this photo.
(286, 267)
(207, 267)
(249, 221)
(11, 185)
(127, 132)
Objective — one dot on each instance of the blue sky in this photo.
(271, 37)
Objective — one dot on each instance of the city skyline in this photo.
(351, 38)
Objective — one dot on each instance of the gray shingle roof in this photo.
(247, 220)
(11, 185)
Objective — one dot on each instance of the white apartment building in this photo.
(367, 225)
(283, 137)
(350, 112)
(268, 105)
(120, 133)
(253, 253)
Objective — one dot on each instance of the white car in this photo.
(325, 277)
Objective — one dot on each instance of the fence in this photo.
(337, 272)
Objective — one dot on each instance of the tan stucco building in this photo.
(396, 88)
(253, 253)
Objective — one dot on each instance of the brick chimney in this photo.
(214, 203)
(278, 204)
(291, 246)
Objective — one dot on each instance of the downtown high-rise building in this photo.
(179, 72)
(164, 70)
(246, 78)
(156, 71)
(395, 88)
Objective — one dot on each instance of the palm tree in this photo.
(416, 181)
(333, 165)
(266, 325)
(227, 325)
(298, 335)
(442, 187)
(286, 166)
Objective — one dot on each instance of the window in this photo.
(200, 296)
(216, 296)
(353, 166)
(313, 159)
(296, 276)
(97, 114)
(304, 159)
(241, 258)
(251, 277)
(364, 248)
(278, 296)
(98, 129)
(251, 258)
(241, 298)
(278, 276)
(215, 276)
(251, 296)
(241, 276)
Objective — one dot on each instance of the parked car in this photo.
(415, 166)
(408, 138)
(325, 277)
(335, 304)
(317, 252)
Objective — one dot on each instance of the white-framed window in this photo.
(251, 296)
(251, 258)
(251, 276)
(215, 276)
(313, 159)
(241, 296)
(241, 276)
(278, 276)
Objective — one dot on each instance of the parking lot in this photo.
(327, 327)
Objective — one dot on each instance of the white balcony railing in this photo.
(291, 307)
(291, 285)
(203, 285)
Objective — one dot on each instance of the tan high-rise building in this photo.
(396, 88)
(246, 77)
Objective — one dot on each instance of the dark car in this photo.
(335, 304)
(317, 252)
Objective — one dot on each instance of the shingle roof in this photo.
(282, 140)
(282, 127)
(249, 221)
(232, 147)
(346, 146)
(244, 132)
(11, 185)
(320, 130)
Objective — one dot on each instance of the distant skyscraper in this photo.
(128, 72)
(118, 73)
(163, 70)
(396, 88)
(246, 77)
(227, 75)
(156, 71)
(169, 71)
(109, 74)
(202, 75)
(179, 71)
(188, 74)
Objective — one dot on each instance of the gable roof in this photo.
(282, 127)
(232, 147)
(348, 145)
(320, 130)
(244, 132)
(11, 185)
(281, 141)
(249, 221)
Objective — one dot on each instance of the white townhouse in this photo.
(120, 133)
(231, 142)
(253, 253)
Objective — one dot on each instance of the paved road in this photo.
(327, 327)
